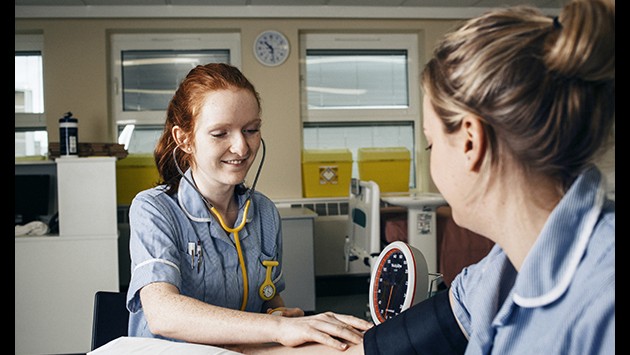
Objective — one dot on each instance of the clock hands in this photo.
(271, 50)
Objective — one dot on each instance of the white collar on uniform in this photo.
(197, 210)
(553, 260)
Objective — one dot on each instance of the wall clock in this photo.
(398, 280)
(271, 48)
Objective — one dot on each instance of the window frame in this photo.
(364, 41)
(412, 42)
(31, 43)
(160, 41)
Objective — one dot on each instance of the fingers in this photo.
(357, 323)
(293, 312)
(286, 312)
(276, 311)
(326, 339)
(347, 328)
(334, 343)
(334, 330)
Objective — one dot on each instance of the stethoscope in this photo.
(267, 290)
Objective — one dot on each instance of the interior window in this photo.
(139, 139)
(147, 69)
(150, 77)
(31, 142)
(31, 137)
(352, 79)
(361, 91)
(355, 135)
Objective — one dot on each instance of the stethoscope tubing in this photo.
(237, 243)
(235, 231)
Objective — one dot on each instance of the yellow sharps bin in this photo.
(134, 173)
(326, 172)
(388, 167)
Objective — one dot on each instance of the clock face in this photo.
(393, 284)
(271, 48)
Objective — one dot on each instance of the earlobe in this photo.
(180, 139)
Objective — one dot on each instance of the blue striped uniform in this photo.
(162, 226)
(563, 299)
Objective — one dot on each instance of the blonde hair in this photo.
(544, 88)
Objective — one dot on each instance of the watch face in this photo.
(271, 48)
(391, 285)
(268, 291)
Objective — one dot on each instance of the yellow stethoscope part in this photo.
(237, 242)
(267, 290)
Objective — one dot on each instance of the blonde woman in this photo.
(517, 106)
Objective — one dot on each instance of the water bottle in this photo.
(68, 136)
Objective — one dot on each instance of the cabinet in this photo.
(56, 276)
(298, 257)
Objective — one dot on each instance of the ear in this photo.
(474, 142)
(181, 139)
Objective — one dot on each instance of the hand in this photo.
(335, 330)
(286, 312)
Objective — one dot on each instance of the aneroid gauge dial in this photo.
(399, 280)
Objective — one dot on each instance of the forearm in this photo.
(172, 315)
(175, 316)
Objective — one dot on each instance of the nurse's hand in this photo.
(286, 312)
(331, 329)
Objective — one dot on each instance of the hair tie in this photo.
(556, 23)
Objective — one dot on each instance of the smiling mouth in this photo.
(235, 162)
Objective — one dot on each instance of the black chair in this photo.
(111, 317)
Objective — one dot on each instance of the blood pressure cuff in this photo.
(427, 328)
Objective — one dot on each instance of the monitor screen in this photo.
(32, 197)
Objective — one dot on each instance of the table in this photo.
(150, 346)
(421, 222)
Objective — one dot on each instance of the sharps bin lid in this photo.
(383, 154)
(326, 155)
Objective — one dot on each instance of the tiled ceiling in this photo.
(359, 3)
(269, 8)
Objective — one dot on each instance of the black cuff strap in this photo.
(427, 328)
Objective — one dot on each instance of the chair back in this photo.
(111, 317)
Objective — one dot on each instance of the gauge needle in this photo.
(391, 289)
